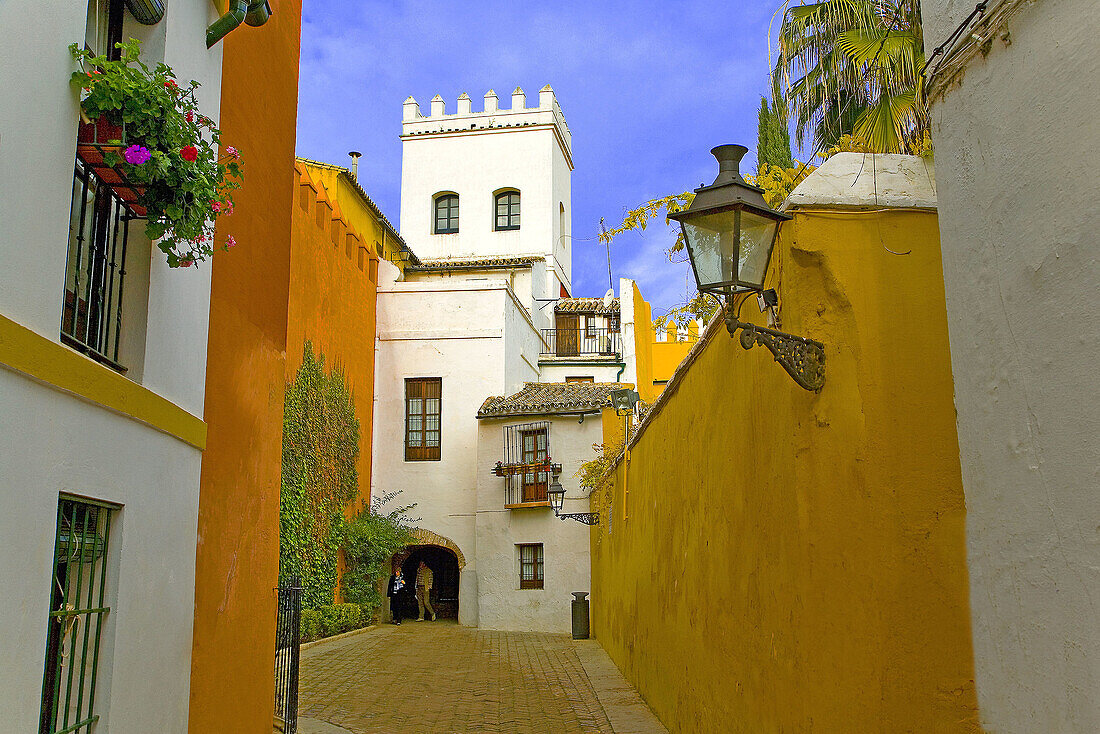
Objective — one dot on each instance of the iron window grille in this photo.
(526, 466)
(77, 611)
(423, 416)
(95, 268)
(530, 566)
(446, 214)
(507, 211)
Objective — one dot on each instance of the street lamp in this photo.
(556, 493)
(730, 232)
(623, 400)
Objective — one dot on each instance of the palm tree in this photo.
(853, 67)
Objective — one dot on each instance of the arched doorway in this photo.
(444, 565)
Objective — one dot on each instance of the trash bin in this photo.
(580, 615)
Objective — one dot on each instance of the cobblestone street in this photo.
(438, 677)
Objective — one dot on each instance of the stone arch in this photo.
(427, 537)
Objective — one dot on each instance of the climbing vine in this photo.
(320, 479)
(370, 540)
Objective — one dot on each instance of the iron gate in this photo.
(287, 640)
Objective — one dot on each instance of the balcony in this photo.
(581, 342)
(526, 467)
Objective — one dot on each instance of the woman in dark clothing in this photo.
(395, 591)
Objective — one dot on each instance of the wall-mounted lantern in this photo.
(730, 232)
(556, 493)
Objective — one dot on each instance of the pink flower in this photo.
(135, 155)
(233, 152)
(186, 262)
(201, 238)
(216, 206)
(230, 241)
(189, 153)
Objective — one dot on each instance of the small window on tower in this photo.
(507, 211)
(446, 214)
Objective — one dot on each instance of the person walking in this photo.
(423, 591)
(395, 593)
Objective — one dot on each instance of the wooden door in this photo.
(568, 334)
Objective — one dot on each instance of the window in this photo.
(507, 209)
(590, 325)
(77, 611)
(530, 566)
(533, 443)
(423, 409)
(446, 214)
(579, 379)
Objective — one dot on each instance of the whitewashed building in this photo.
(102, 374)
(485, 204)
(1015, 90)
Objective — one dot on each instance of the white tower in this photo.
(489, 184)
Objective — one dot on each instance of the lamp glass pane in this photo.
(757, 239)
(712, 245)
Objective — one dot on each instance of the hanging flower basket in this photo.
(143, 135)
(102, 141)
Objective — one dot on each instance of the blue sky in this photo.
(646, 87)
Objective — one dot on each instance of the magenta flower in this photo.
(135, 155)
(233, 152)
(216, 206)
(230, 242)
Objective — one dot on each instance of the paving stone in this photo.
(440, 678)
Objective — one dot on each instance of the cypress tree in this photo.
(773, 140)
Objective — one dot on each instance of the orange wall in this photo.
(332, 302)
(232, 688)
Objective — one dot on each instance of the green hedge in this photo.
(332, 619)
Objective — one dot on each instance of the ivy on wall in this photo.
(320, 479)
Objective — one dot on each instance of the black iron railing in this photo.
(581, 341)
(287, 641)
(95, 270)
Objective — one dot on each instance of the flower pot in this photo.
(93, 141)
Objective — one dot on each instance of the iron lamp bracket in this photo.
(802, 358)
(586, 518)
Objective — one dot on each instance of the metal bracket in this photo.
(802, 358)
(586, 518)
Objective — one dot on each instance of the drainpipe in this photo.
(254, 13)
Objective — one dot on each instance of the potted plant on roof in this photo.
(142, 133)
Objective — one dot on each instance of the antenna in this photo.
(607, 242)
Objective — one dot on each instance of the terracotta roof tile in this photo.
(587, 305)
(474, 263)
(548, 398)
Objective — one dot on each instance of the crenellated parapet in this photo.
(490, 118)
(324, 213)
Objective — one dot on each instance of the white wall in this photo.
(1016, 155)
(567, 566)
(52, 442)
(475, 155)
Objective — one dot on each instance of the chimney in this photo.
(410, 110)
(519, 99)
(355, 163)
(464, 104)
(492, 104)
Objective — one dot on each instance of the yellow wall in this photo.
(786, 561)
(643, 346)
(237, 560)
(332, 299)
(357, 214)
